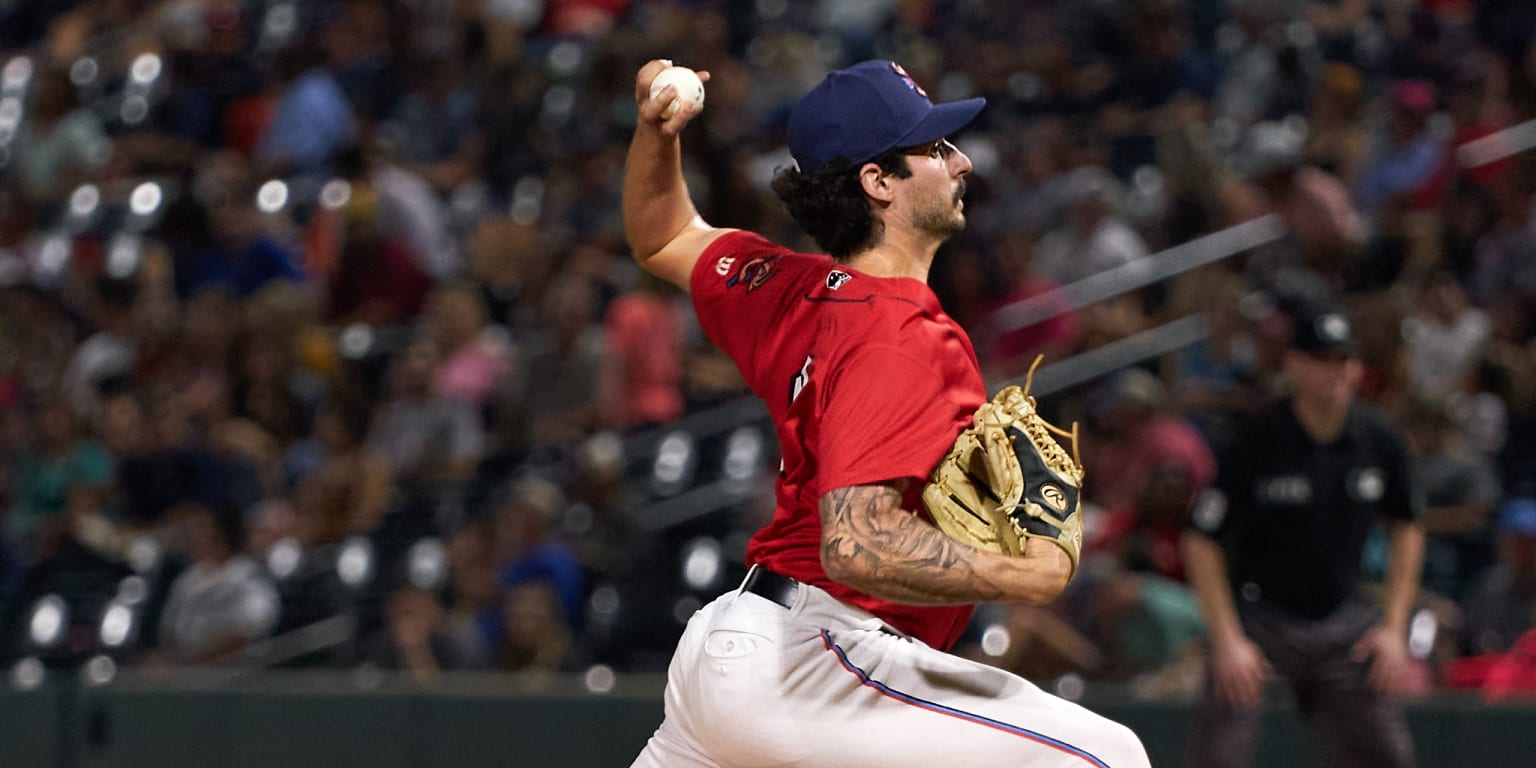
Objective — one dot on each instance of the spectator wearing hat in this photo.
(1150, 463)
(1274, 552)
(529, 548)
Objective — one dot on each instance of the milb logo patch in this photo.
(753, 273)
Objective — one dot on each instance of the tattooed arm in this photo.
(873, 545)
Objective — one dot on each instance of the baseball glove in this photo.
(1007, 480)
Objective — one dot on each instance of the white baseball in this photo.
(690, 89)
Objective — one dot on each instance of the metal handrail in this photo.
(1142, 272)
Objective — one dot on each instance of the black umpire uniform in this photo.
(1291, 513)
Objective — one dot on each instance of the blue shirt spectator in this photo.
(244, 273)
(551, 561)
(312, 122)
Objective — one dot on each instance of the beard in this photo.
(942, 218)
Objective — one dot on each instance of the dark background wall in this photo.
(331, 721)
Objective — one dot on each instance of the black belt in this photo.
(765, 583)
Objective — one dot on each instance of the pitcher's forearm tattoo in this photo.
(889, 552)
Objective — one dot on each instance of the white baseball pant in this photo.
(754, 684)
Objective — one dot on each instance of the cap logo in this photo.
(1333, 328)
(906, 78)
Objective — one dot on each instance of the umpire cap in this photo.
(1323, 329)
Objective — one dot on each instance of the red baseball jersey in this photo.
(867, 380)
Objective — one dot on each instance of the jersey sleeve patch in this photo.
(754, 272)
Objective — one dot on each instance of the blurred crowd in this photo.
(323, 309)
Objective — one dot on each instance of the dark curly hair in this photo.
(830, 205)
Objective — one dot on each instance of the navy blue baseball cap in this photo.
(867, 109)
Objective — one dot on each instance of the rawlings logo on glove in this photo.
(1007, 480)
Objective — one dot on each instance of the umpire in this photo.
(1274, 554)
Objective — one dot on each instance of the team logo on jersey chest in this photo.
(753, 273)
(836, 278)
(723, 266)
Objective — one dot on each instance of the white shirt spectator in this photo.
(412, 211)
(212, 605)
(1441, 356)
(1066, 257)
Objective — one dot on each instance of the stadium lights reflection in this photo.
(354, 563)
(284, 558)
(527, 200)
(272, 196)
(100, 670)
(146, 198)
(132, 590)
(604, 601)
(335, 194)
(1422, 630)
(701, 563)
(10, 111)
(16, 74)
(123, 256)
(117, 624)
(599, 679)
(144, 554)
(1071, 687)
(577, 519)
(685, 607)
(134, 109)
(743, 454)
(146, 68)
(51, 260)
(356, 341)
(50, 617)
(83, 72)
(84, 200)
(427, 562)
(995, 640)
(674, 459)
(559, 102)
(565, 58)
(280, 21)
(28, 674)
